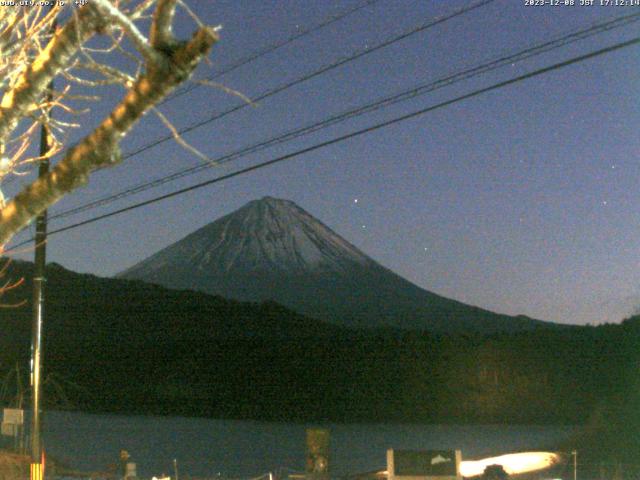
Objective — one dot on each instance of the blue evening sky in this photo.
(522, 200)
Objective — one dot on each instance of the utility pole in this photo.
(575, 464)
(38, 315)
(37, 467)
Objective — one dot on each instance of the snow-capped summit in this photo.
(268, 235)
(271, 249)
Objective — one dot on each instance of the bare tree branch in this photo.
(106, 8)
(32, 55)
(101, 148)
(161, 34)
(32, 83)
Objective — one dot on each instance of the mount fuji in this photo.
(273, 250)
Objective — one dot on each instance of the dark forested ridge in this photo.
(136, 347)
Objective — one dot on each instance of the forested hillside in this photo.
(143, 348)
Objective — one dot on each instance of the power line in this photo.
(256, 55)
(271, 48)
(358, 54)
(354, 134)
(322, 70)
(376, 105)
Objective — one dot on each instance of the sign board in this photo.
(317, 453)
(423, 464)
(14, 416)
(9, 429)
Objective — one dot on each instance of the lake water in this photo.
(206, 447)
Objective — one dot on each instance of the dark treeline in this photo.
(134, 347)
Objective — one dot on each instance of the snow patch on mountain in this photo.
(271, 249)
(269, 234)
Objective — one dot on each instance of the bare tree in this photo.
(67, 43)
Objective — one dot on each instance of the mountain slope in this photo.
(272, 249)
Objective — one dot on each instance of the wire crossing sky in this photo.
(348, 136)
(381, 103)
(519, 199)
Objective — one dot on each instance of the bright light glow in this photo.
(5, 164)
(513, 463)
